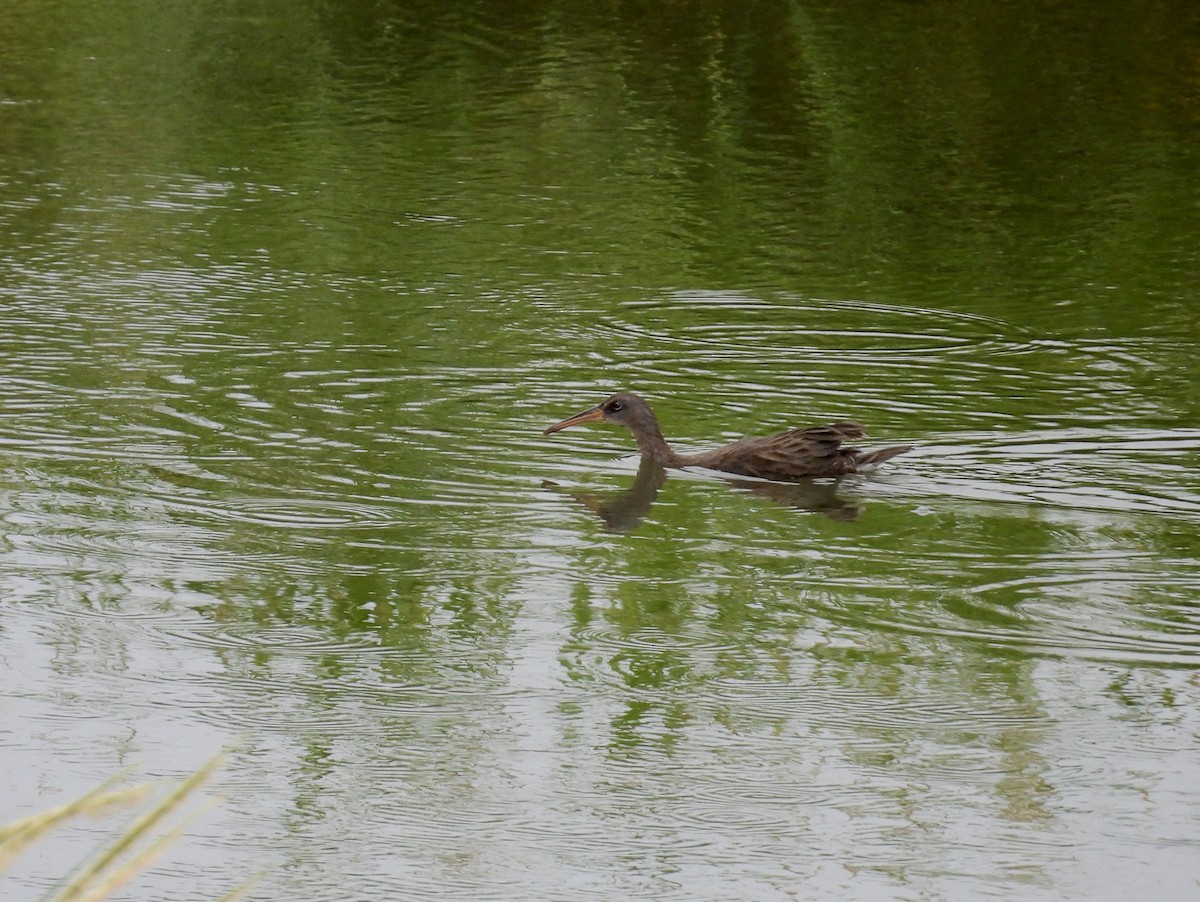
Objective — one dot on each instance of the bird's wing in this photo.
(795, 453)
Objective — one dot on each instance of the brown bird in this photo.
(790, 455)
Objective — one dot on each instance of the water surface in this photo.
(289, 295)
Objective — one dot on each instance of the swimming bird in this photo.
(787, 456)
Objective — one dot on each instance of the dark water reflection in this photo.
(625, 510)
(287, 299)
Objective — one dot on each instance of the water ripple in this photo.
(310, 454)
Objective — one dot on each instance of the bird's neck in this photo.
(651, 443)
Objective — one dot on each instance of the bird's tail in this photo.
(871, 458)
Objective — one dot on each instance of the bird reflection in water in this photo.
(622, 511)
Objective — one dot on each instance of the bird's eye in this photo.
(615, 406)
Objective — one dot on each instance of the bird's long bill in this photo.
(587, 416)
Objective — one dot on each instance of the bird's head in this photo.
(624, 409)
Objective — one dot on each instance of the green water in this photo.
(288, 293)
